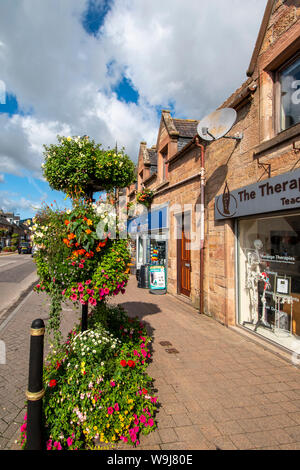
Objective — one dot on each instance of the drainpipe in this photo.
(202, 199)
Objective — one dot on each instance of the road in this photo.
(17, 274)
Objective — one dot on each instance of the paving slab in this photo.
(220, 390)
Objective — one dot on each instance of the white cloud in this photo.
(12, 202)
(190, 55)
(1, 178)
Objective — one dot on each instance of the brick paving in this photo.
(220, 390)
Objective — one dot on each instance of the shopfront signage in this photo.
(274, 194)
(156, 219)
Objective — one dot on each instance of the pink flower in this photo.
(57, 445)
(73, 289)
(63, 292)
(81, 265)
(106, 290)
(123, 438)
(80, 288)
(116, 407)
(88, 282)
(110, 410)
(144, 353)
(150, 422)
(112, 383)
(73, 297)
(23, 427)
(49, 444)
(69, 441)
(142, 419)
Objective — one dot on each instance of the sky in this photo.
(106, 68)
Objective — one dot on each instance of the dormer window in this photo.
(289, 83)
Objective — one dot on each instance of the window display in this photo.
(269, 277)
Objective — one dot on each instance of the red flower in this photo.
(131, 363)
(123, 363)
(58, 364)
(144, 391)
(52, 383)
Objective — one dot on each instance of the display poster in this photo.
(157, 277)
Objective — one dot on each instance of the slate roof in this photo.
(186, 127)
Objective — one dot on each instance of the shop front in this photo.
(149, 234)
(267, 229)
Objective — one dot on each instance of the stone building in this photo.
(252, 252)
(243, 265)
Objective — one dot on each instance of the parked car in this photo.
(24, 248)
(34, 250)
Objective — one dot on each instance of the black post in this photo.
(35, 390)
(84, 316)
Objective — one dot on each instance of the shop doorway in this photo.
(184, 254)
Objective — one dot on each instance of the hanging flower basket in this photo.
(77, 165)
(145, 197)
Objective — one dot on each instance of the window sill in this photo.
(279, 139)
(162, 185)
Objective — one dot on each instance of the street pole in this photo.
(35, 390)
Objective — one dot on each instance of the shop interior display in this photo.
(253, 277)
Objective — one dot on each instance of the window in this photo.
(289, 83)
(269, 277)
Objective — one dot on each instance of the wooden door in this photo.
(185, 261)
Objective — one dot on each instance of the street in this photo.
(17, 274)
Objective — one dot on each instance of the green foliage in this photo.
(145, 197)
(74, 164)
(97, 388)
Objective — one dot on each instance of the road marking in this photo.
(15, 311)
(5, 264)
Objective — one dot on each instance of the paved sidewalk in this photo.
(219, 390)
(15, 332)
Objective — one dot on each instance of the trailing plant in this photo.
(145, 197)
(97, 390)
(76, 164)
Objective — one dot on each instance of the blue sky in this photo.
(106, 68)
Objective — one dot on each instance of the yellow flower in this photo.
(89, 222)
(93, 401)
(95, 428)
(69, 138)
(126, 412)
(107, 425)
(130, 401)
(114, 438)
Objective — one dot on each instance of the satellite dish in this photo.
(217, 124)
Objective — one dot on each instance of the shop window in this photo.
(289, 94)
(269, 277)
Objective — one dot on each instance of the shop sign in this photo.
(274, 194)
(157, 277)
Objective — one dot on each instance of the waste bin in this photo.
(143, 281)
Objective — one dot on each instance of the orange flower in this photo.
(81, 251)
(88, 231)
(67, 222)
(71, 236)
(66, 241)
